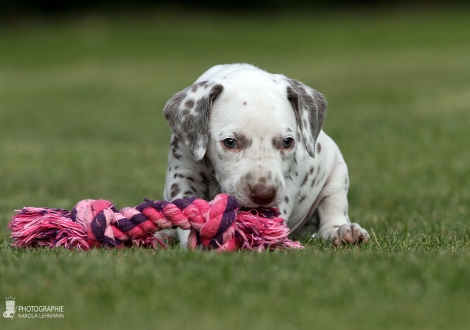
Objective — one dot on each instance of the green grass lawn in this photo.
(81, 104)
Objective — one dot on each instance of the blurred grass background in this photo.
(81, 99)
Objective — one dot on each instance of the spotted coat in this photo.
(258, 136)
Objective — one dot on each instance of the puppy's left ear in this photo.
(188, 113)
(310, 110)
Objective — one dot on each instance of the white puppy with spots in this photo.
(257, 136)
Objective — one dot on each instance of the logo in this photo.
(10, 307)
(32, 312)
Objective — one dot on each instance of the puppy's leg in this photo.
(186, 178)
(333, 210)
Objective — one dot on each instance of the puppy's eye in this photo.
(230, 143)
(287, 142)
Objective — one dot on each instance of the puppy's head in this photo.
(248, 124)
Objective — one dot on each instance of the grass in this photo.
(80, 117)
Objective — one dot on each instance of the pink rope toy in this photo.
(218, 225)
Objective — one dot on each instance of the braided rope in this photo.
(218, 225)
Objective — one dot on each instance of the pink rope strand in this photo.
(218, 225)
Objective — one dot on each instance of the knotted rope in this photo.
(218, 225)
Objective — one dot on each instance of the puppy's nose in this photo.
(262, 195)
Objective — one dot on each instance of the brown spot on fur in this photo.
(277, 143)
(189, 103)
(202, 105)
(175, 189)
(304, 180)
(174, 142)
(172, 109)
(243, 141)
(175, 154)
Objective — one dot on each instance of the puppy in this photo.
(258, 136)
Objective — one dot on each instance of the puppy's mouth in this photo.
(265, 211)
(249, 203)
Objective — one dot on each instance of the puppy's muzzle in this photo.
(262, 194)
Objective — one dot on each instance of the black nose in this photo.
(262, 195)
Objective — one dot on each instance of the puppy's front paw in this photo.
(350, 234)
(167, 235)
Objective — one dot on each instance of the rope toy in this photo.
(218, 225)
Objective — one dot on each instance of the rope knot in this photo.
(218, 224)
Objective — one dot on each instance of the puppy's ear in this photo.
(310, 109)
(188, 114)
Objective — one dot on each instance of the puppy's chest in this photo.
(304, 182)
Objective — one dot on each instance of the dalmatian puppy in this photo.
(258, 136)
